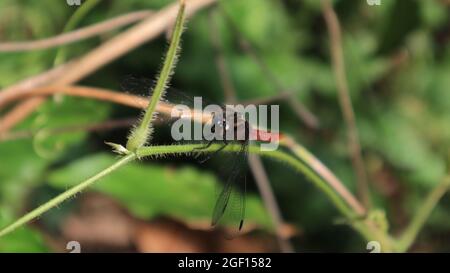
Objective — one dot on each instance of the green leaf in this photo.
(434, 13)
(20, 169)
(262, 22)
(362, 65)
(402, 19)
(401, 144)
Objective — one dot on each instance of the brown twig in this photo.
(77, 35)
(109, 51)
(32, 82)
(20, 112)
(260, 175)
(37, 96)
(338, 63)
(82, 91)
(93, 93)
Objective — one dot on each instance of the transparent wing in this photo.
(139, 86)
(143, 86)
(229, 209)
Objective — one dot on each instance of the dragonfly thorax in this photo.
(230, 126)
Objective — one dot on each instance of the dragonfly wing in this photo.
(230, 205)
(135, 85)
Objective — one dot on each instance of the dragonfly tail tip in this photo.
(241, 224)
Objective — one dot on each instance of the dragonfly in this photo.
(230, 204)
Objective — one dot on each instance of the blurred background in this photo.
(397, 63)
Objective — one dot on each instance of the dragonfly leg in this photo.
(205, 146)
(225, 143)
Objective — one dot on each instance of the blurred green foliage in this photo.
(398, 66)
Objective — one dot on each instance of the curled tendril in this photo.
(41, 135)
(39, 147)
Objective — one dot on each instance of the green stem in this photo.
(65, 195)
(411, 232)
(140, 134)
(314, 163)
